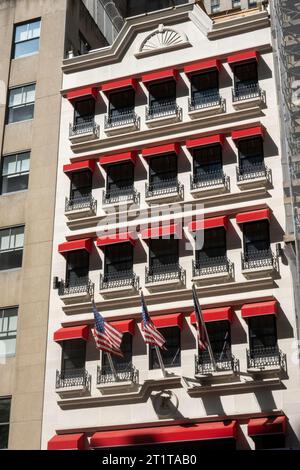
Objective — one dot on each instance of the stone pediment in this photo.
(161, 40)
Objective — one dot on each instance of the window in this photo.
(162, 92)
(11, 247)
(4, 421)
(163, 254)
(8, 331)
(273, 441)
(120, 177)
(252, 3)
(207, 162)
(262, 332)
(120, 363)
(73, 357)
(27, 39)
(77, 268)
(251, 153)
(220, 340)
(84, 111)
(246, 77)
(121, 104)
(214, 246)
(84, 46)
(172, 355)
(256, 238)
(118, 260)
(236, 3)
(205, 86)
(163, 170)
(81, 184)
(21, 103)
(215, 6)
(15, 172)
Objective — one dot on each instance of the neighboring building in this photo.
(179, 113)
(35, 37)
(221, 6)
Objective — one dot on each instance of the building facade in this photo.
(169, 175)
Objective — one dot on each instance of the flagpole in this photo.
(112, 367)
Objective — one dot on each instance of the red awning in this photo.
(205, 141)
(214, 314)
(161, 149)
(160, 75)
(243, 57)
(124, 326)
(87, 92)
(203, 65)
(80, 166)
(116, 85)
(159, 232)
(266, 426)
(67, 442)
(124, 237)
(253, 216)
(258, 131)
(205, 224)
(76, 245)
(72, 332)
(259, 309)
(118, 158)
(165, 434)
(164, 321)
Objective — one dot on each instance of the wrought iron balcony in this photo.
(82, 202)
(119, 280)
(163, 108)
(73, 378)
(247, 90)
(88, 126)
(254, 171)
(117, 196)
(211, 266)
(166, 187)
(266, 357)
(165, 272)
(124, 373)
(259, 259)
(80, 286)
(210, 179)
(224, 362)
(123, 117)
(206, 99)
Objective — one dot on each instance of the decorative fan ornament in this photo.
(162, 38)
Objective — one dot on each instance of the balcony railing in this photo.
(165, 272)
(206, 99)
(264, 357)
(210, 179)
(73, 378)
(123, 117)
(223, 362)
(259, 259)
(162, 108)
(85, 127)
(165, 187)
(251, 172)
(82, 202)
(211, 266)
(124, 373)
(119, 280)
(246, 91)
(117, 196)
(81, 286)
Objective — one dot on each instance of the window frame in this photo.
(198, 156)
(22, 105)
(112, 109)
(110, 181)
(8, 331)
(162, 241)
(204, 250)
(128, 259)
(206, 73)
(117, 360)
(151, 97)
(253, 336)
(71, 342)
(6, 423)
(82, 267)
(152, 352)
(155, 173)
(12, 250)
(80, 119)
(251, 243)
(15, 43)
(260, 155)
(85, 189)
(245, 64)
(20, 174)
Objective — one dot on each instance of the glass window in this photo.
(236, 3)
(251, 152)
(215, 6)
(120, 363)
(8, 331)
(252, 3)
(204, 81)
(262, 332)
(77, 268)
(163, 168)
(15, 172)
(172, 355)
(11, 247)
(121, 101)
(214, 245)
(27, 39)
(84, 46)
(118, 258)
(163, 252)
(120, 176)
(256, 237)
(81, 184)
(220, 338)
(4, 421)
(84, 111)
(162, 91)
(244, 73)
(73, 356)
(207, 160)
(21, 103)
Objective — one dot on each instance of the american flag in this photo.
(107, 338)
(202, 338)
(151, 334)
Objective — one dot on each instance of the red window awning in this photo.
(214, 314)
(205, 141)
(72, 332)
(159, 232)
(165, 434)
(205, 224)
(161, 149)
(67, 442)
(121, 84)
(124, 237)
(243, 57)
(164, 321)
(202, 66)
(118, 158)
(76, 245)
(124, 326)
(266, 426)
(160, 75)
(257, 131)
(87, 92)
(259, 309)
(253, 216)
(80, 166)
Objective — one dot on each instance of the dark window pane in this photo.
(122, 99)
(81, 184)
(27, 48)
(207, 160)
(172, 356)
(246, 72)
(120, 176)
(163, 168)
(14, 183)
(214, 244)
(163, 252)
(126, 360)
(4, 432)
(118, 258)
(205, 81)
(162, 90)
(21, 113)
(256, 236)
(4, 410)
(275, 441)
(262, 331)
(73, 356)
(77, 267)
(11, 259)
(219, 336)
(84, 110)
(250, 152)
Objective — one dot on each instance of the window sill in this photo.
(10, 270)
(208, 111)
(80, 213)
(26, 55)
(19, 122)
(14, 192)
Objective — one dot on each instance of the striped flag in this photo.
(107, 338)
(151, 334)
(202, 337)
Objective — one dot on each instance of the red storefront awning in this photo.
(214, 314)
(80, 166)
(172, 319)
(159, 232)
(165, 434)
(267, 426)
(67, 442)
(118, 158)
(205, 141)
(243, 57)
(253, 216)
(205, 224)
(257, 131)
(76, 245)
(124, 326)
(259, 309)
(201, 66)
(124, 237)
(116, 85)
(72, 332)
(160, 75)
(87, 92)
(161, 149)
